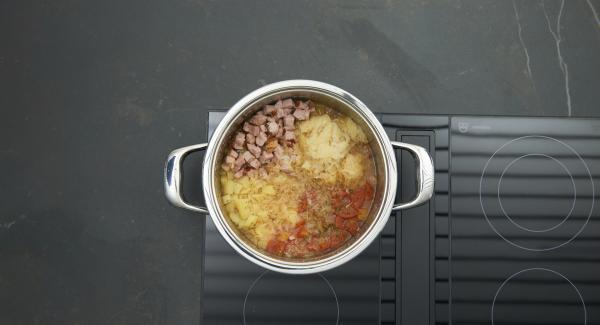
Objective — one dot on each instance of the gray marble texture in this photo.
(94, 94)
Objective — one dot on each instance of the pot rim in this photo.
(316, 265)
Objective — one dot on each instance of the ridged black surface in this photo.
(446, 262)
(537, 193)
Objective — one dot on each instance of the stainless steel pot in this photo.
(382, 147)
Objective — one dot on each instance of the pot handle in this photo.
(425, 174)
(173, 176)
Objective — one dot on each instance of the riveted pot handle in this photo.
(425, 174)
(174, 174)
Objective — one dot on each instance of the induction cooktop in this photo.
(511, 236)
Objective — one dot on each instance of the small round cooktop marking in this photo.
(539, 269)
(507, 215)
(309, 298)
(569, 149)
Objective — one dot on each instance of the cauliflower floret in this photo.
(352, 168)
(351, 129)
(320, 138)
(326, 144)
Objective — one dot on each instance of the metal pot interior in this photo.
(336, 102)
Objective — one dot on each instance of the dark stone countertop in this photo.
(96, 93)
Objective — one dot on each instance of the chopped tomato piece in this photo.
(339, 222)
(275, 246)
(368, 189)
(313, 245)
(337, 239)
(340, 193)
(336, 242)
(309, 198)
(340, 198)
(301, 231)
(352, 226)
(348, 212)
(358, 198)
(336, 202)
(303, 204)
(325, 244)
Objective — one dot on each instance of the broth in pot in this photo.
(298, 179)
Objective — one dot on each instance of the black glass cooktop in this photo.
(511, 236)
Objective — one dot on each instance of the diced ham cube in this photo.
(253, 129)
(263, 128)
(301, 114)
(279, 113)
(247, 127)
(250, 138)
(247, 156)
(258, 119)
(229, 160)
(265, 157)
(239, 173)
(269, 109)
(240, 139)
(287, 103)
(273, 127)
(254, 163)
(288, 122)
(261, 139)
(278, 152)
(262, 172)
(300, 105)
(233, 153)
(289, 136)
(279, 104)
(225, 167)
(239, 163)
(255, 150)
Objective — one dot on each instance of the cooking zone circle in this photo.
(536, 187)
(520, 288)
(309, 299)
(566, 173)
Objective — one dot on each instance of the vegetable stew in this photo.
(299, 179)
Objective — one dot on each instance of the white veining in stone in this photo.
(462, 73)
(594, 12)
(558, 38)
(522, 41)
(8, 224)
